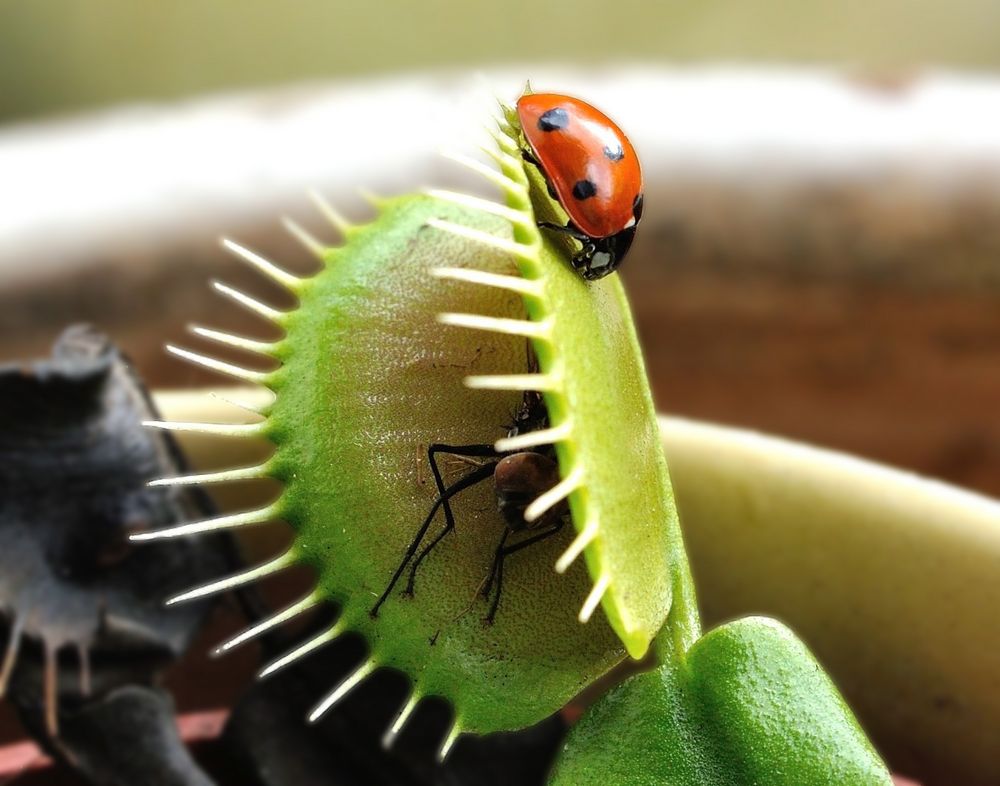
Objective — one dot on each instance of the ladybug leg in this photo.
(569, 230)
(487, 586)
(503, 551)
(581, 261)
(528, 156)
(474, 477)
(601, 256)
(584, 259)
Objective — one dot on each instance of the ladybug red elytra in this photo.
(592, 171)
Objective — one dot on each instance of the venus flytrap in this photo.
(414, 333)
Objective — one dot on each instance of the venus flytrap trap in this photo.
(414, 335)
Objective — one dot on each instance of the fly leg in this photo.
(454, 450)
(503, 551)
(471, 479)
(481, 474)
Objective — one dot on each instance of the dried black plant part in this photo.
(129, 737)
(268, 745)
(81, 609)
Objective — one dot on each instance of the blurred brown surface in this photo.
(860, 316)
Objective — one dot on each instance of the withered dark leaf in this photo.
(81, 608)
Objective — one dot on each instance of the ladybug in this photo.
(592, 171)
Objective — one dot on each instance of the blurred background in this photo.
(820, 252)
(59, 56)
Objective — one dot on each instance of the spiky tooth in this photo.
(523, 286)
(50, 683)
(539, 382)
(342, 689)
(502, 139)
(449, 741)
(511, 327)
(401, 718)
(252, 304)
(223, 476)
(265, 266)
(576, 548)
(213, 429)
(478, 236)
(330, 213)
(246, 405)
(503, 159)
(237, 579)
(485, 205)
(533, 439)
(311, 244)
(377, 201)
(301, 651)
(511, 187)
(231, 340)
(229, 369)
(594, 598)
(258, 516)
(83, 657)
(548, 499)
(299, 607)
(10, 655)
(374, 199)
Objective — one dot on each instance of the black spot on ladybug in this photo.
(584, 189)
(554, 119)
(614, 152)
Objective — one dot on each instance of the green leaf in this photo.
(747, 706)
